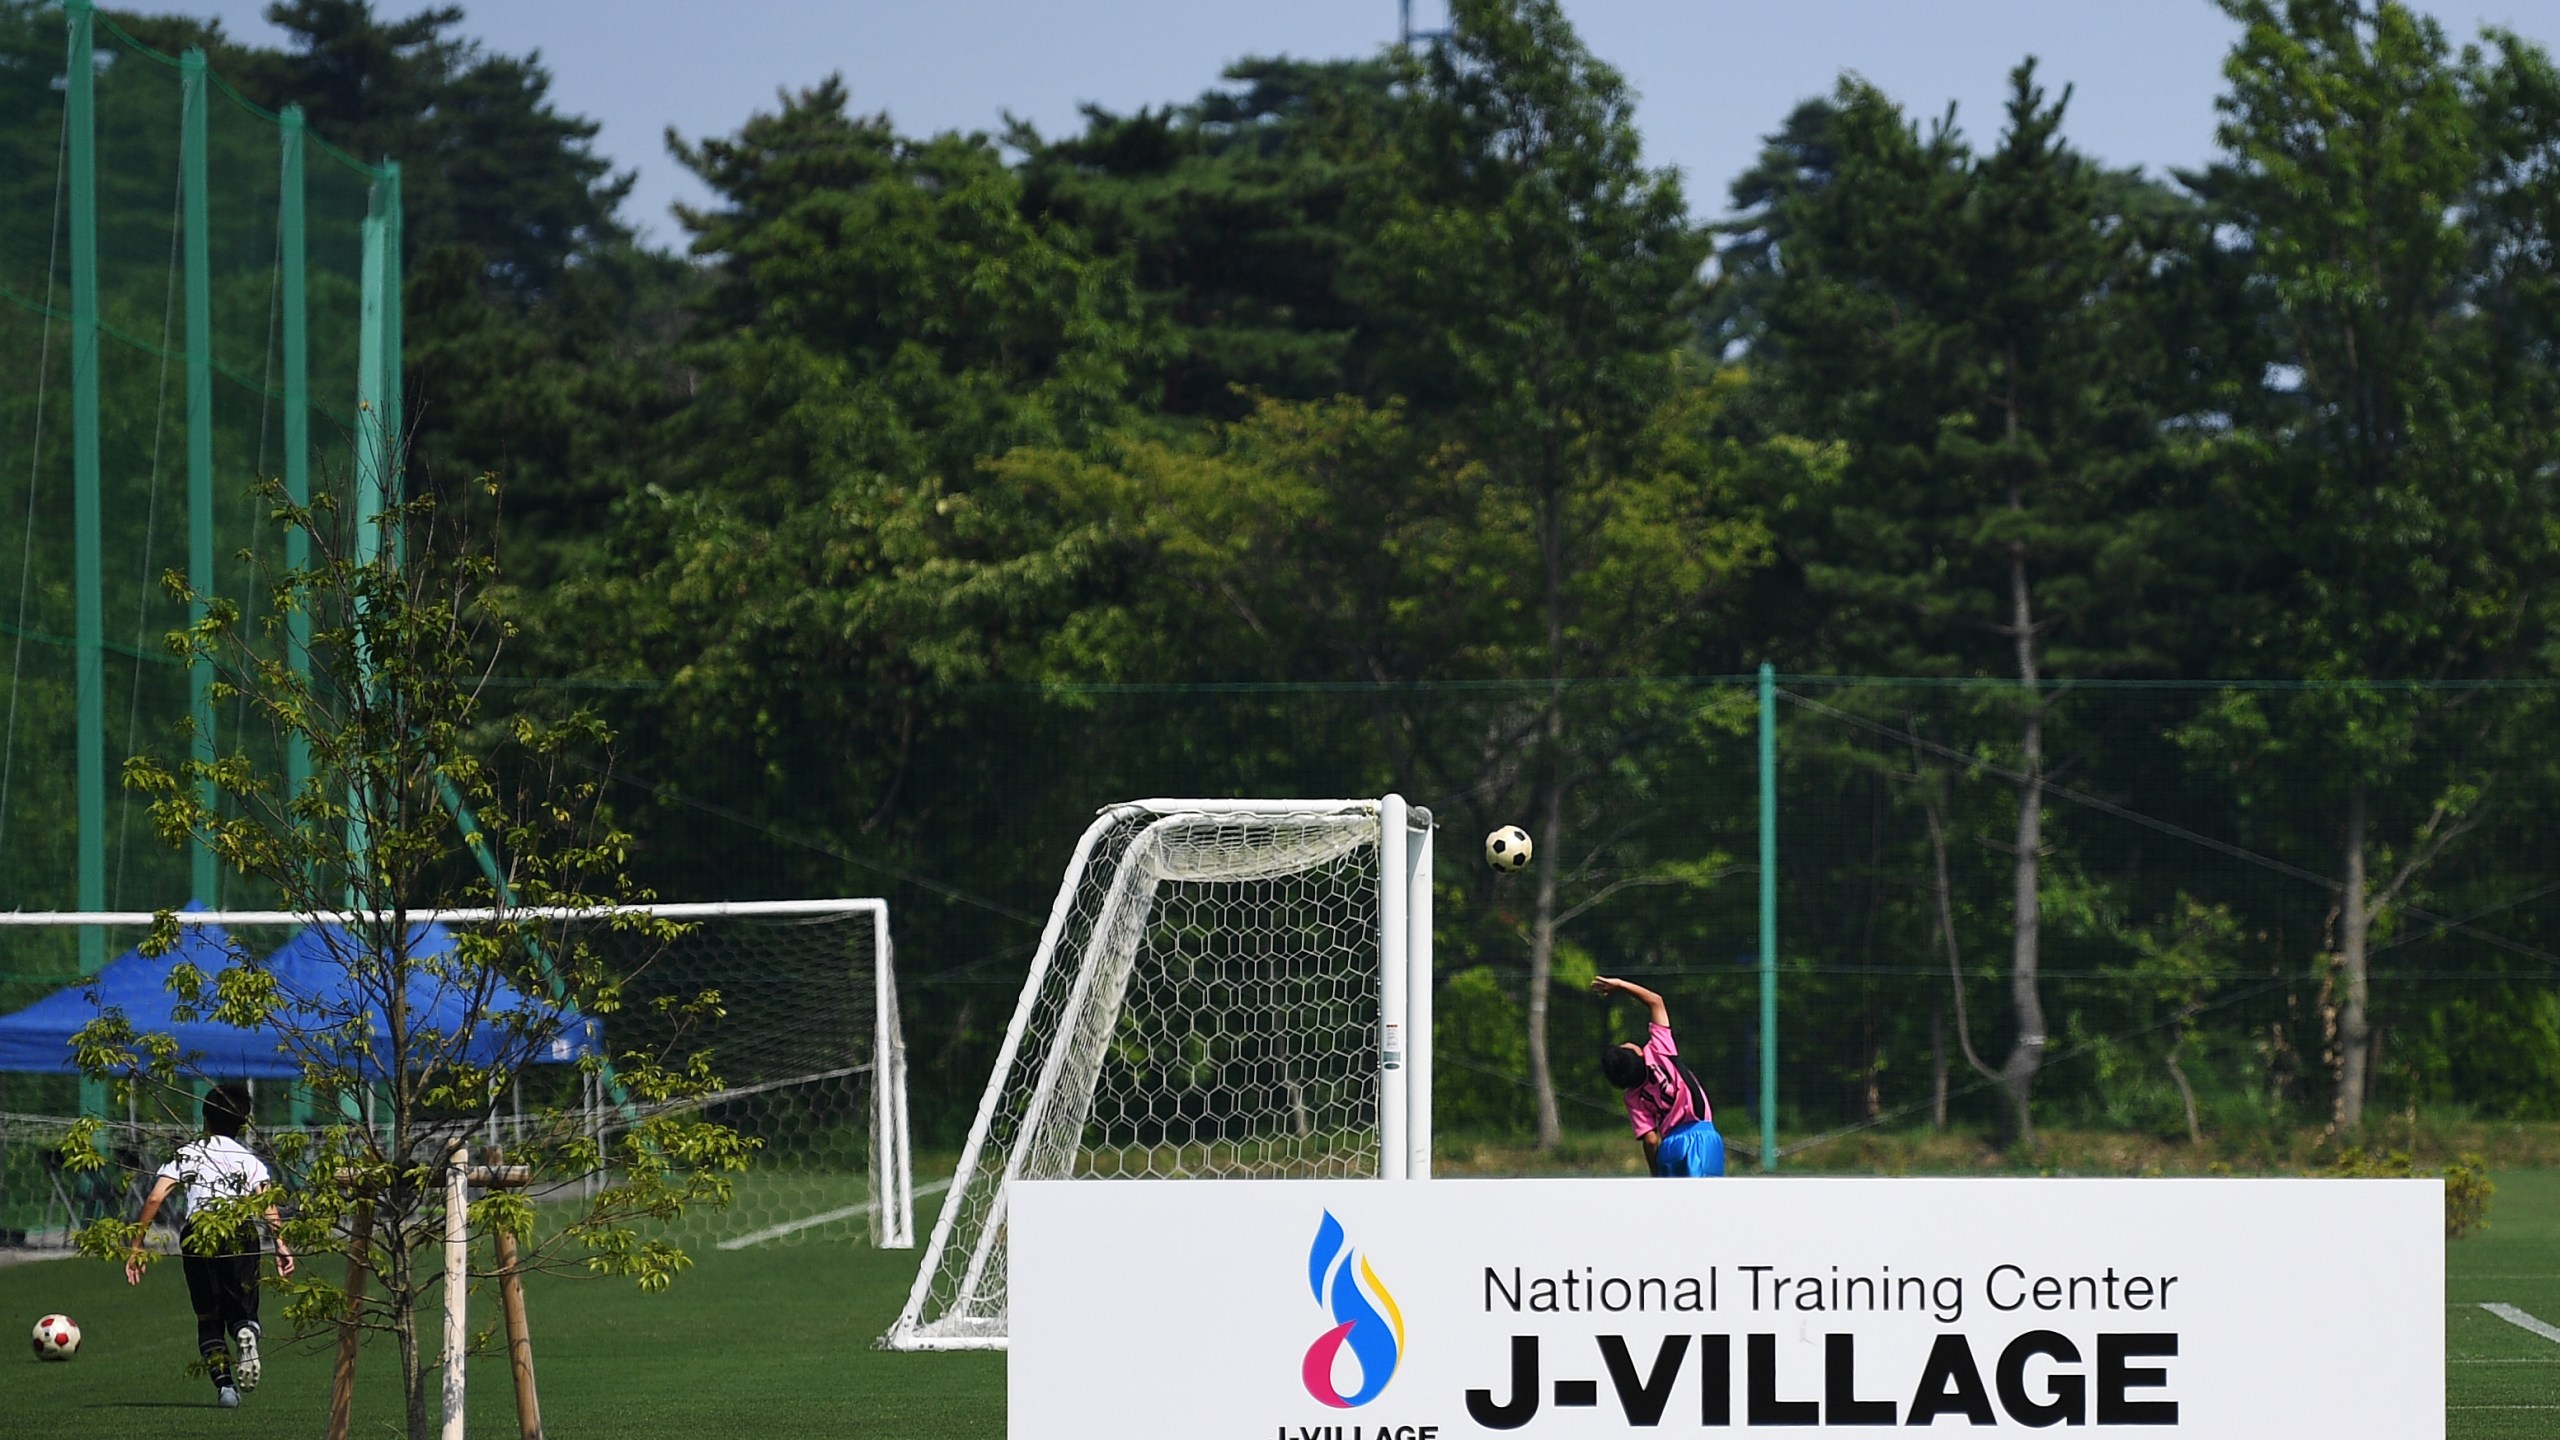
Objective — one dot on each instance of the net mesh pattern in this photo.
(145, 430)
(798, 1049)
(800, 1063)
(1207, 1008)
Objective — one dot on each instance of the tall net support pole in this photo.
(1418, 1005)
(294, 319)
(203, 877)
(89, 599)
(1768, 918)
(88, 568)
(394, 223)
(1395, 980)
(296, 324)
(372, 472)
(369, 465)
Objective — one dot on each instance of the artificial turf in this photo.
(2502, 1380)
(775, 1341)
(772, 1341)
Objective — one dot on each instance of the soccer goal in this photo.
(1225, 988)
(807, 1045)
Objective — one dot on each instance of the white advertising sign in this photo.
(1374, 1310)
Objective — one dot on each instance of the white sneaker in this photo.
(227, 1398)
(244, 1346)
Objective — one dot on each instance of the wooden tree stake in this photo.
(342, 1383)
(511, 1296)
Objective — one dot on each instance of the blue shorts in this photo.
(1693, 1150)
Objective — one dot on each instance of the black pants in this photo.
(224, 1291)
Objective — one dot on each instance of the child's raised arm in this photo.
(1609, 985)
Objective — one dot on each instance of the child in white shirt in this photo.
(221, 1263)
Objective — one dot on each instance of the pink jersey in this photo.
(1661, 1104)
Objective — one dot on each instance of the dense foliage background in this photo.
(1389, 424)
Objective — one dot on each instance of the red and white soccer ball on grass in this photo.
(57, 1338)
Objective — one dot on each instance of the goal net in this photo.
(806, 1045)
(1225, 988)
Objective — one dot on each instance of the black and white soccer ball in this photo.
(1507, 849)
(56, 1338)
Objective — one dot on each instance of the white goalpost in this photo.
(809, 1048)
(1224, 988)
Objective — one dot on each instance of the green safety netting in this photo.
(194, 293)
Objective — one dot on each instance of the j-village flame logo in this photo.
(1376, 1341)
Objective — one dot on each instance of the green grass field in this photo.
(2501, 1380)
(775, 1341)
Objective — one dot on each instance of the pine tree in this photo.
(1971, 327)
(2394, 463)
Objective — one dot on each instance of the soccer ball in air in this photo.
(56, 1338)
(1507, 848)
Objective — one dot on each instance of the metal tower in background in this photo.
(1405, 32)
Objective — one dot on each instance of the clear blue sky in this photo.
(1713, 76)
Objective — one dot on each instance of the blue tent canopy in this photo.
(315, 989)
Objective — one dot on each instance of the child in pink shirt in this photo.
(1665, 1103)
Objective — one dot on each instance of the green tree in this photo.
(2395, 462)
(1537, 283)
(1802, 155)
(392, 712)
(1527, 493)
(826, 554)
(1324, 540)
(1974, 329)
(2180, 963)
(1334, 541)
(1232, 212)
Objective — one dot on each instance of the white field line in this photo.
(807, 1222)
(2522, 1321)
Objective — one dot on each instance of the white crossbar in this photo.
(1255, 807)
(689, 910)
